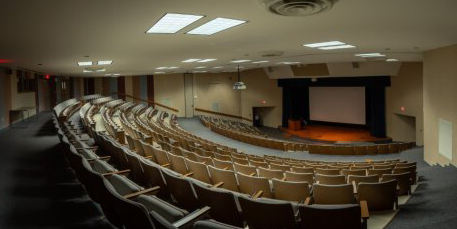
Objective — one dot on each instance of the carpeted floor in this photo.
(433, 204)
(38, 189)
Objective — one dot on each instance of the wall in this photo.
(129, 87)
(440, 94)
(262, 89)
(21, 99)
(169, 90)
(5, 98)
(405, 91)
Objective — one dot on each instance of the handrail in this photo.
(222, 114)
(147, 101)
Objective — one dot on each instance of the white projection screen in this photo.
(337, 104)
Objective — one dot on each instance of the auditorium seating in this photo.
(179, 178)
(265, 141)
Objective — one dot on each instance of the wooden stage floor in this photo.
(334, 134)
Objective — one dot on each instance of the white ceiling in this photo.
(58, 33)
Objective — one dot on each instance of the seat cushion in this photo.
(102, 167)
(166, 210)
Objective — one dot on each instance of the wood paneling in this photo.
(150, 80)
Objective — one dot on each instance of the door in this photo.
(189, 94)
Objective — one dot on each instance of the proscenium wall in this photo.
(405, 92)
(440, 100)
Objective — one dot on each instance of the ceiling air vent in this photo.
(297, 7)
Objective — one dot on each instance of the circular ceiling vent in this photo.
(297, 7)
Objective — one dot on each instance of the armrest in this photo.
(116, 172)
(308, 200)
(364, 209)
(257, 194)
(149, 157)
(218, 185)
(188, 174)
(192, 218)
(135, 194)
(354, 186)
(90, 148)
(99, 158)
(165, 165)
(252, 174)
(283, 179)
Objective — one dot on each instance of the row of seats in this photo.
(233, 125)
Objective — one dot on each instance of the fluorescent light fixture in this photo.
(288, 62)
(391, 60)
(107, 74)
(172, 23)
(218, 67)
(239, 61)
(337, 47)
(215, 26)
(199, 71)
(173, 67)
(159, 72)
(206, 60)
(324, 44)
(101, 70)
(190, 60)
(260, 61)
(85, 63)
(116, 74)
(200, 67)
(87, 71)
(160, 68)
(370, 55)
(104, 62)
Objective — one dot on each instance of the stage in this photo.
(335, 134)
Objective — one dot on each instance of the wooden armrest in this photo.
(89, 148)
(364, 209)
(308, 200)
(165, 165)
(354, 187)
(283, 179)
(116, 172)
(188, 174)
(218, 184)
(225, 168)
(99, 158)
(257, 194)
(252, 174)
(149, 157)
(142, 192)
(190, 219)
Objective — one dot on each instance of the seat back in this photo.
(245, 169)
(359, 172)
(342, 216)
(270, 174)
(367, 179)
(250, 185)
(296, 169)
(290, 190)
(403, 182)
(147, 149)
(161, 156)
(205, 160)
(302, 177)
(226, 176)
(223, 164)
(222, 203)
(330, 179)
(199, 170)
(259, 164)
(274, 166)
(181, 191)
(333, 194)
(178, 164)
(379, 196)
(153, 177)
(328, 171)
(379, 172)
(261, 214)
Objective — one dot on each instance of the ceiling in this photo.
(58, 33)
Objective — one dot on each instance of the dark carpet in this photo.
(38, 189)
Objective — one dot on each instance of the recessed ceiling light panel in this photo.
(206, 60)
(172, 23)
(260, 61)
(391, 60)
(85, 63)
(200, 67)
(370, 55)
(87, 71)
(239, 61)
(190, 60)
(218, 67)
(104, 62)
(324, 44)
(160, 68)
(288, 62)
(337, 47)
(215, 26)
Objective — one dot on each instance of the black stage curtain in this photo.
(296, 98)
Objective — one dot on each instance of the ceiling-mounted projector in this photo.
(239, 86)
(297, 7)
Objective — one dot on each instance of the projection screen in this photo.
(337, 104)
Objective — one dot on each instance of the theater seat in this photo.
(379, 196)
(333, 194)
(332, 216)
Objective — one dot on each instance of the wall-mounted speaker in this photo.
(355, 65)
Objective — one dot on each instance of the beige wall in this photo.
(169, 89)
(261, 88)
(440, 100)
(405, 91)
(21, 99)
(129, 87)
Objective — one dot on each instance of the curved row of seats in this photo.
(178, 170)
(234, 125)
(312, 148)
